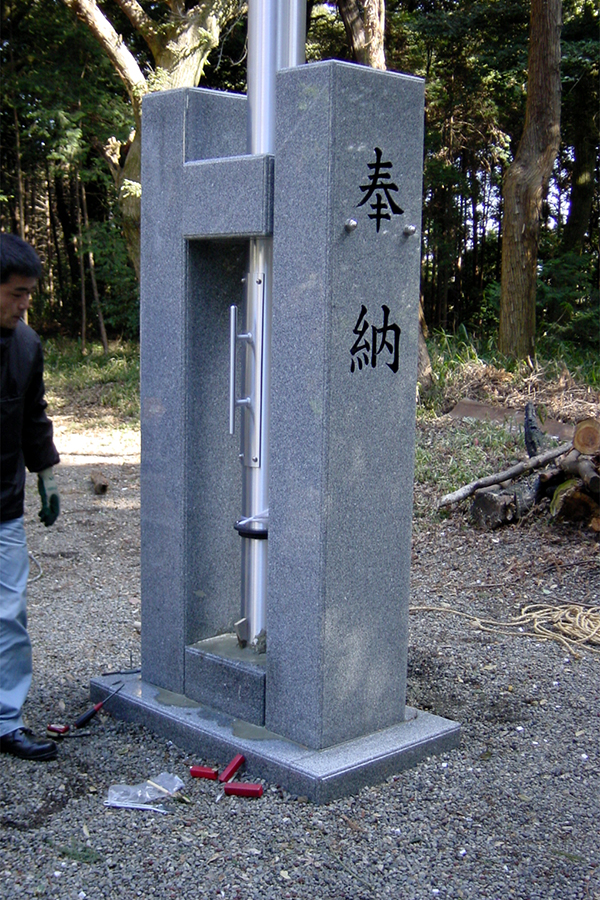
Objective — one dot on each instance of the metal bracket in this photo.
(233, 338)
(252, 402)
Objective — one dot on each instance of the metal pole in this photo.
(269, 47)
(253, 525)
(291, 36)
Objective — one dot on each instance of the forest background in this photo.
(74, 73)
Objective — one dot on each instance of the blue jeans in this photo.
(15, 646)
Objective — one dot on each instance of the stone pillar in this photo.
(347, 216)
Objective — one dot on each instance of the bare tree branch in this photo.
(142, 22)
(122, 59)
(534, 463)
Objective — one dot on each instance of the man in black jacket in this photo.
(25, 441)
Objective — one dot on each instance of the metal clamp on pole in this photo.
(254, 526)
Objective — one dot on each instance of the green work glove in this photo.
(50, 499)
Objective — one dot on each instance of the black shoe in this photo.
(24, 744)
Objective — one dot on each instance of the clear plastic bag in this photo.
(160, 788)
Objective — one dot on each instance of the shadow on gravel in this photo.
(53, 803)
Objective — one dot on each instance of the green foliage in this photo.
(61, 102)
(77, 851)
(61, 85)
(566, 298)
(449, 352)
(486, 320)
(107, 387)
(568, 315)
(62, 99)
(117, 281)
(326, 37)
(580, 63)
(473, 55)
(580, 357)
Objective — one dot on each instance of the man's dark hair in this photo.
(17, 257)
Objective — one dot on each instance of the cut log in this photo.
(527, 494)
(582, 467)
(519, 469)
(571, 501)
(99, 482)
(587, 437)
(550, 479)
(491, 508)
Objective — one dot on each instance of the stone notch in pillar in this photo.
(227, 677)
(228, 193)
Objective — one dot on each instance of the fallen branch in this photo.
(519, 469)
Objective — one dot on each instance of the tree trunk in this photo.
(583, 177)
(526, 182)
(424, 370)
(128, 178)
(54, 231)
(179, 47)
(68, 227)
(92, 268)
(365, 31)
(20, 191)
(81, 278)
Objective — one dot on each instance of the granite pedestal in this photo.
(319, 775)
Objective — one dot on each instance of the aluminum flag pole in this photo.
(291, 33)
(276, 39)
(253, 524)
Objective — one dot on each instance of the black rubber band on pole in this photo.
(248, 532)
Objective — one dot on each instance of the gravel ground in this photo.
(513, 813)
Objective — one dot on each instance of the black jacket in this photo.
(25, 429)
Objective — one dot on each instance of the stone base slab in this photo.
(319, 775)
